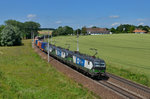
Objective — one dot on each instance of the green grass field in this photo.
(127, 55)
(24, 75)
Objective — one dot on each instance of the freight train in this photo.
(89, 65)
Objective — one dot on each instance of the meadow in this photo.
(24, 75)
(126, 55)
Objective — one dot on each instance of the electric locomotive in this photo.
(92, 66)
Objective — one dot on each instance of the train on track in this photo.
(89, 65)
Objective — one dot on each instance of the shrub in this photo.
(10, 36)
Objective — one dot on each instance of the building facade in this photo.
(97, 31)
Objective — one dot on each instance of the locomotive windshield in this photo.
(99, 64)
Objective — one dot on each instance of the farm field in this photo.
(126, 55)
(24, 75)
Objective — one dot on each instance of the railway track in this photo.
(132, 91)
(120, 90)
(138, 86)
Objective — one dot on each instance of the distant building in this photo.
(97, 31)
(139, 31)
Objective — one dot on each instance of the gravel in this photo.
(87, 82)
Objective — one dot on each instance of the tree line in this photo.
(14, 31)
(127, 28)
(123, 28)
(66, 30)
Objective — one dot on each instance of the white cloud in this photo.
(58, 22)
(141, 23)
(115, 24)
(114, 16)
(31, 17)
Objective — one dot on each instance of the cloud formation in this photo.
(31, 17)
(115, 24)
(58, 22)
(114, 16)
(141, 23)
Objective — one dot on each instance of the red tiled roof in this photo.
(139, 31)
(96, 29)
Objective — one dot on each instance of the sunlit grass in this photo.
(127, 55)
(24, 75)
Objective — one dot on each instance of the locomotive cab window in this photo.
(98, 64)
(102, 64)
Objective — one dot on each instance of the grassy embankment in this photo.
(24, 75)
(127, 55)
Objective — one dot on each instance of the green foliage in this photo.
(146, 28)
(78, 30)
(17, 24)
(31, 27)
(66, 30)
(127, 28)
(25, 28)
(128, 74)
(26, 76)
(1, 28)
(10, 36)
(94, 27)
(83, 30)
(113, 30)
(14, 23)
(129, 52)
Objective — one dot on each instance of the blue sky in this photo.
(77, 13)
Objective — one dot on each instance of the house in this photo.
(139, 31)
(97, 31)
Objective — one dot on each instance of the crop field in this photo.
(126, 55)
(24, 75)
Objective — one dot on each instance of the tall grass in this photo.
(126, 55)
(24, 75)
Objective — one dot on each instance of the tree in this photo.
(94, 27)
(66, 30)
(83, 30)
(113, 30)
(31, 27)
(10, 36)
(77, 30)
(125, 28)
(146, 28)
(132, 28)
(1, 28)
(16, 24)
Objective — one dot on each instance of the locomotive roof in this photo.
(80, 55)
(87, 57)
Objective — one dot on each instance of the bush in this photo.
(10, 36)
